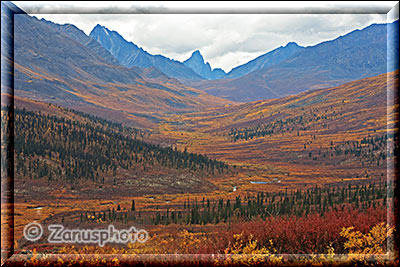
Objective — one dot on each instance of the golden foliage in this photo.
(242, 252)
(370, 246)
(372, 243)
(190, 242)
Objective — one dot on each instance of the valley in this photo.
(282, 155)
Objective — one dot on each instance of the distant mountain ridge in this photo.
(196, 63)
(79, 36)
(356, 55)
(61, 65)
(268, 59)
(286, 70)
(130, 55)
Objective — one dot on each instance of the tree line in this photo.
(371, 148)
(298, 123)
(298, 203)
(55, 147)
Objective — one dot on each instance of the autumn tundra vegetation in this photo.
(288, 160)
(221, 211)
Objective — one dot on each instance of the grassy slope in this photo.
(353, 111)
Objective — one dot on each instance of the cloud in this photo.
(225, 40)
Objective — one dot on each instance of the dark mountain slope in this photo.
(273, 57)
(79, 36)
(356, 55)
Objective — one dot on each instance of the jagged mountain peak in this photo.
(196, 62)
(100, 30)
(100, 27)
(73, 32)
(197, 57)
(197, 53)
(292, 44)
(131, 55)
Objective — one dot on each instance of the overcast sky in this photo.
(225, 40)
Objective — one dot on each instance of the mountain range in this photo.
(130, 55)
(356, 55)
(286, 70)
(266, 60)
(105, 74)
(61, 65)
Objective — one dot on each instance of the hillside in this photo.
(57, 147)
(61, 65)
(356, 55)
(78, 35)
(354, 97)
(321, 136)
(318, 152)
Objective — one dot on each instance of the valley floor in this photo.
(314, 167)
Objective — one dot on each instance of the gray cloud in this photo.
(225, 40)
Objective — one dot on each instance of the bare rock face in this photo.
(196, 63)
(130, 55)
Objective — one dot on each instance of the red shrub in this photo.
(304, 235)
